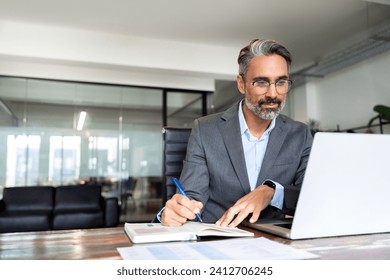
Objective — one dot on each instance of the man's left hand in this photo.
(254, 202)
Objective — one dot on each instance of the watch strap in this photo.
(270, 184)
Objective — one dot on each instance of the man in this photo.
(249, 160)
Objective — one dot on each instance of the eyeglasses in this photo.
(281, 86)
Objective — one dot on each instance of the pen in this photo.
(183, 193)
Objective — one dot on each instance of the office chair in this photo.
(175, 149)
(126, 191)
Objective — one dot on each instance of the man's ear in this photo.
(241, 84)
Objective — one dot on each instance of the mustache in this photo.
(270, 101)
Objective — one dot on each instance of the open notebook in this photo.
(346, 189)
(155, 232)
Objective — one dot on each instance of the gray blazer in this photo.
(214, 170)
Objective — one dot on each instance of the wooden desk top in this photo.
(103, 243)
(64, 244)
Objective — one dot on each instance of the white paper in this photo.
(228, 249)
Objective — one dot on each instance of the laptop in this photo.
(346, 189)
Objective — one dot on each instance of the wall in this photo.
(345, 98)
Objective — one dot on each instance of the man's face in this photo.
(264, 102)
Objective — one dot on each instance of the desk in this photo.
(102, 243)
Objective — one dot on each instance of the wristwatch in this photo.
(270, 184)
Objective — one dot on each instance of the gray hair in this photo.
(258, 47)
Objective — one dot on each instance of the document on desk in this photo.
(227, 249)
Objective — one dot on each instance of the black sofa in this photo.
(40, 208)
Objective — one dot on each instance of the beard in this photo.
(267, 113)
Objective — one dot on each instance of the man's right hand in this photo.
(179, 209)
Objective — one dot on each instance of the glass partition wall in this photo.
(62, 133)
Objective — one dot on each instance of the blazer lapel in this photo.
(229, 128)
(275, 143)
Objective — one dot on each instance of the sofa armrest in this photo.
(111, 211)
(2, 205)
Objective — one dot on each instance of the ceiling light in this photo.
(81, 120)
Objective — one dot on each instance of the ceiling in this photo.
(311, 29)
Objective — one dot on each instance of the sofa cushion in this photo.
(38, 199)
(78, 220)
(77, 198)
(23, 221)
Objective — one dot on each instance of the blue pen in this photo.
(183, 193)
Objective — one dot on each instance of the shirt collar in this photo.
(244, 127)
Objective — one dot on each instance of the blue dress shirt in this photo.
(254, 151)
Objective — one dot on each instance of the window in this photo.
(120, 137)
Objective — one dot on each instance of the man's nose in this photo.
(272, 91)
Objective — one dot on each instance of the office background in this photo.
(115, 60)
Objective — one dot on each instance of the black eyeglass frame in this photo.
(290, 83)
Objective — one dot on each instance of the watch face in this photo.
(270, 184)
